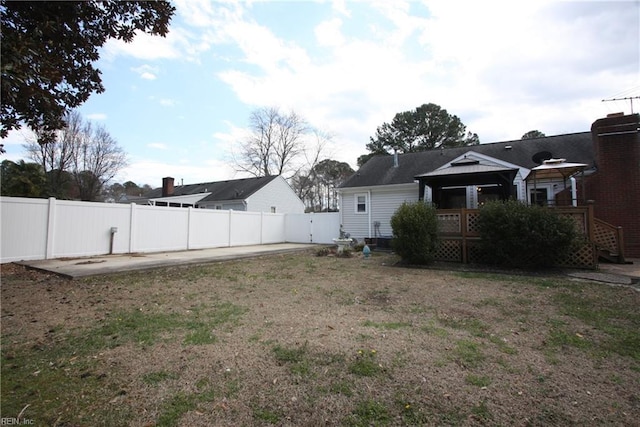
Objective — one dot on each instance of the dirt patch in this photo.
(296, 339)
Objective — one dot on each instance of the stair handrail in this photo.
(611, 230)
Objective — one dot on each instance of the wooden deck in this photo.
(459, 237)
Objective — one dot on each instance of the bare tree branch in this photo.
(80, 156)
(276, 140)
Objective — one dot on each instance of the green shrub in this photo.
(347, 252)
(517, 235)
(323, 251)
(415, 237)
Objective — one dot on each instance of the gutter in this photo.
(370, 210)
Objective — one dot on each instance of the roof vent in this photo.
(465, 162)
(554, 161)
(508, 147)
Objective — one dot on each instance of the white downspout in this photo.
(340, 211)
(574, 192)
(369, 210)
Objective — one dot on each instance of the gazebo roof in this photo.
(468, 174)
(463, 170)
(556, 168)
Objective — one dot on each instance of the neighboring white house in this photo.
(263, 194)
(461, 177)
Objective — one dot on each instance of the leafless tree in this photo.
(276, 140)
(97, 159)
(315, 182)
(79, 160)
(56, 155)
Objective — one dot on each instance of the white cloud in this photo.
(179, 43)
(519, 66)
(147, 72)
(328, 33)
(158, 146)
(503, 67)
(144, 46)
(165, 102)
(13, 144)
(96, 116)
(340, 7)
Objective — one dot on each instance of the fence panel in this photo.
(273, 228)
(312, 227)
(326, 227)
(158, 229)
(245, 228)
(84, 229)
(208, 228)
(298, 228)
(34, 229)
(24, 228)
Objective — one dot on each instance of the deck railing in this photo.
(460, 236)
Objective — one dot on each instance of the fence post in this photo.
(189, 227)
(463, 229)
(132, 228)
(261, 226)
(590, 223)
(51, 229)
(229, 236)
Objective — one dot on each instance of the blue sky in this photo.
(180, 105)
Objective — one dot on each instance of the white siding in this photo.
(382, 203)
(356, 224)
(276, 194)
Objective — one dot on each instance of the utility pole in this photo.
(630, 98)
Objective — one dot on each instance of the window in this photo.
(361, 203)
(539, 196)
(273, 209)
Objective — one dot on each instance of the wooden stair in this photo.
(609, 242)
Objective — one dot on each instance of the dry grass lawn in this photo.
(297, 340)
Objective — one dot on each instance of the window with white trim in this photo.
(361, 203)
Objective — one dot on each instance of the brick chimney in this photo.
(615, 188)
(167, 186)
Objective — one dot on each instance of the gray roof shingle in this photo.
(236, 189)
(379, 170)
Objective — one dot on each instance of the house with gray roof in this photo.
(262, 194)
(460, 177)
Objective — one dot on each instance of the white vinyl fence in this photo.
(34, 229)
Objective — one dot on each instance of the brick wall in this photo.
(615, 187)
